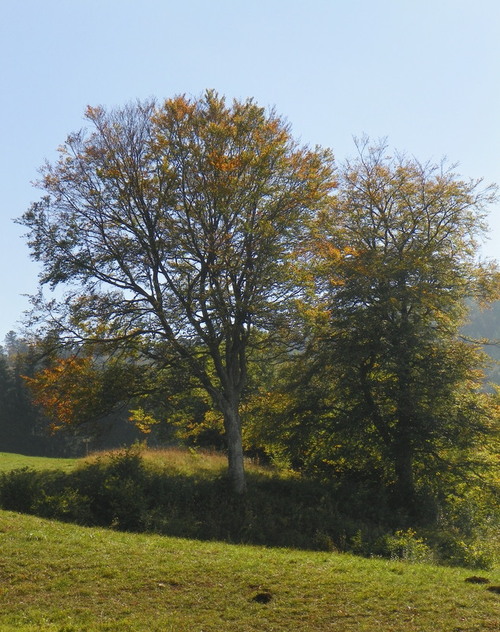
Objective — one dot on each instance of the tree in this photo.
(7, 388)
(22, 425)
(86, 391)
(394, 261)
(171, 226)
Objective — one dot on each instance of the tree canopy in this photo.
(171, 226)
(394, 260)
(191, 234)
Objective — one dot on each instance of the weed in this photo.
(407, 546)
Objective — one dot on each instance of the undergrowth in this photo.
(188, 496)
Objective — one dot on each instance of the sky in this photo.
(425, 74)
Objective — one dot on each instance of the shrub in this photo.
(19, 489)
(453, 550)
(407, 546)
(115, 489)
(67, 504)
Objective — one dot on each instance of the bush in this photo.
(407, 546)
(115, 489)
(19, 489)
(453, 550)
(67, 504)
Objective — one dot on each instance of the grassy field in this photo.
(171, 459)
(62, 577)
(10, 461)
(67, 578)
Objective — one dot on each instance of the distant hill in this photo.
(485, 324)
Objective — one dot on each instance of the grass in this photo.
(173, 460)
(10, 461)
(189, 461)
(65, 578)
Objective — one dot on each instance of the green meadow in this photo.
(63, 577)
(60, 576)
(10, 462)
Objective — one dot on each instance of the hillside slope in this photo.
(62, 577)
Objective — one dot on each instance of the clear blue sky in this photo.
(424, 73)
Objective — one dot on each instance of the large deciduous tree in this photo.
(172, 224)
(395, 259)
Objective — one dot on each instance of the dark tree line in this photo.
(21, 423)
(26, 428)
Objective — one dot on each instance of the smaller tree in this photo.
(394, 261)
(75, 389)
(81, 388)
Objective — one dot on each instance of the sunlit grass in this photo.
(56, 576)
(10, 461)
(171, 459)
(186, 461)
(184, 493)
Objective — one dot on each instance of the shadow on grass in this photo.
(124, 492)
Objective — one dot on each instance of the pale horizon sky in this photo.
(424, 74)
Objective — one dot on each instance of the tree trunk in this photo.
(405, 482)
(405, 349)
(232, 426)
